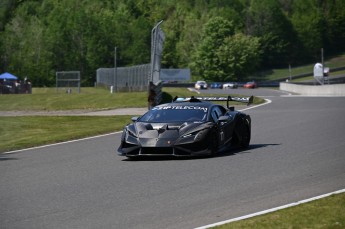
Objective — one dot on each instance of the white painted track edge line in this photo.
(267, 101)
(271, 210)
(61, 143)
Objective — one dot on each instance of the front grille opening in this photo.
(181, 152)
(157, 151)
(133, 153)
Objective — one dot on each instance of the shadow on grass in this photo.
(230, 152)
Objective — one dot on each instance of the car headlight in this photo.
(131, 133)
(189, 135)
(198, 135)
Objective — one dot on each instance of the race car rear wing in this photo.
(248, 100)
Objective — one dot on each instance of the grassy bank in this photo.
(274, 74)
(46, 99)
(28, 131)
(328, 212)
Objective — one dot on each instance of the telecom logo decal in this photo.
(181, 108)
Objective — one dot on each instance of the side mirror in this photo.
(223, 118)
(134, 119)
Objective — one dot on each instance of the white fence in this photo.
(134, 78)
(67, 80)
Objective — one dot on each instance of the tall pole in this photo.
(323, 67)
(154, 35)
(115, 69)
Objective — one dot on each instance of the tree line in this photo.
(220, 40)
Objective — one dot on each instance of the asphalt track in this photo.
(297, 152)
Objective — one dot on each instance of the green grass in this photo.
(328, 212)
(46, 99)
(307, 78)
(28, 131)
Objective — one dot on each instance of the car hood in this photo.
(165, 130)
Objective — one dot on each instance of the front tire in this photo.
(241, 135)
(245, 138)
(213, 143)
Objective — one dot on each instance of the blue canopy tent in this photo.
(8, 76)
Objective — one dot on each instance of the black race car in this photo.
(187, 127)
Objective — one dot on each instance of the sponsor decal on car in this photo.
(181, 108)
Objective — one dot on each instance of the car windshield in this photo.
(175, 113)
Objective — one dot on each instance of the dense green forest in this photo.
(219, 40)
